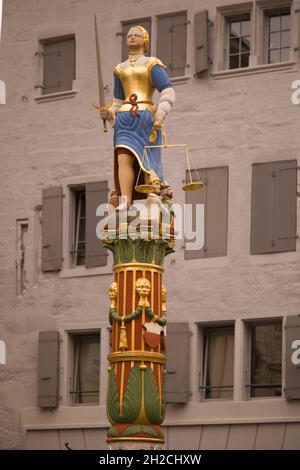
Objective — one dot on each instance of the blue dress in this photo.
(133, 130)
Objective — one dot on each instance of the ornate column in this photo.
(135, 396)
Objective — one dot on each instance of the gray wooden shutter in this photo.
(273, 211)
(201, 42)
(178, 37)
(214, 195)
(178, 363)
(145, 22)
(48, 369)
(51, 68)
(292, 371)
(285, 223)
(96, 194)
(52, 229)
(66, 51)
(196, 197)
(171, 43)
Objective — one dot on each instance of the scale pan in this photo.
(192, 186)
(145, 188)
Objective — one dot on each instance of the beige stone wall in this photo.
(226, 120)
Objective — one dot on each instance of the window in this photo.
(214, 197)
(86, 375)
(274, 207)
(85, 248)
(218, 362)
(239, 43)
(126, 25)
(171, 42)
(79, 232)
(278, 36)
(266, 359)
(22, 234)
(58, 64)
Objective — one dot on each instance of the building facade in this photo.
(233, 376)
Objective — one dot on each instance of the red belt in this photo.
(135, 104)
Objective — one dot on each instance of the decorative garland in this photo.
(113, 316)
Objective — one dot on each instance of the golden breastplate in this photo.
(136, 80)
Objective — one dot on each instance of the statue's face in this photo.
(169, 192)
(113, 291)
(135, 38)
(143, 287)
(157, 187)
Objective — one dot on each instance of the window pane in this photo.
(285, 39)
(245, 44)
(285, 55)
(87, 387)
(80, 222)
(245, 60)
(274, 41)
(285, 21)
(219, 350)
(274, 23)
(266, 359)
(274, 56)
(246, 28)
(234, 62)
(234, 46)
(235, 29)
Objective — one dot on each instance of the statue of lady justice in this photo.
(135, 118)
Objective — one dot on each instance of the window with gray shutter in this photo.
(214, 196)
(201, 42)
(59, 65)
(218, 359)
(96, 194)
(52, 229)
(171, 42)
(266, 359)
(274, 207)
(292, 358)
(178, 363)
(48, 369)
(87, 249)
(126, 25)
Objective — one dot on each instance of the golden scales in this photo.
(188, 186)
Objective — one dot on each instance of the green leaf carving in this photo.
(141, 428)
(132, 397)
(151, 399)
(113, 432)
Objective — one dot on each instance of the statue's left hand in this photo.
(158, 123)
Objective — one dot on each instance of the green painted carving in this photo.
(141, 428)
(112, 402)
(113, 432)
(152, 406)
(132, 397)
(139, 250)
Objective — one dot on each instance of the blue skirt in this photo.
(133, 133)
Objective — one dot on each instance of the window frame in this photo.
(240, 17)
(266, 13)
(40, 97)
(249, 323)
(68, 270)
(202, 328)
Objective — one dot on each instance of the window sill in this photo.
(180, 80)
(254, 70)
(56, 96)
(83, 271)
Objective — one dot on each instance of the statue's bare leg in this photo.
(126, 177)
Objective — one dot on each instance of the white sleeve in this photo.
(113, 109)
(166, 101)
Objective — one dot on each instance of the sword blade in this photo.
(99, 69)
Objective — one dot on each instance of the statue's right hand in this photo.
(104, 113)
